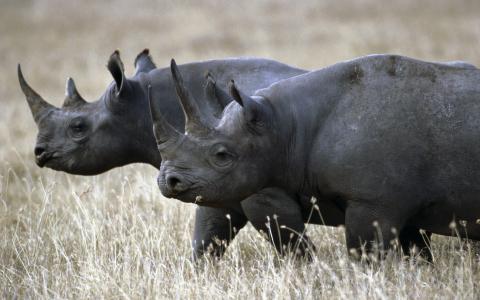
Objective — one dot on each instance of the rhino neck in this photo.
(301, 105)
(291, 145)
(145, 151)
(143, 144)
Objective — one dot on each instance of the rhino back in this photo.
(392, 128)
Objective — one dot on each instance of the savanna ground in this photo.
(114, 235)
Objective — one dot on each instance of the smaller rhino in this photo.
(89, 138)
(392, 141)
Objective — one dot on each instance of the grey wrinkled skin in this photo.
(391, 141)
(89, 138)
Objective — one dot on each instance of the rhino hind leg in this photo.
(279, 215)
(214, 229)
(414, 242)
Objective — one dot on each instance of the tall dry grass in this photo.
(113, 235)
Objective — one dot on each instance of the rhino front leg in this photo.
(323, 212)
(411, 237)
(371, 229)
(279, 215)
(214, 231)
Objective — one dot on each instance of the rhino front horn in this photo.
(72, 96)
(38, 106)
(195, 121)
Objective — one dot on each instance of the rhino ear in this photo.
(254, 111)
(115, 66)
(144, 62)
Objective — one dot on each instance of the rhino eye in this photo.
(78, 128)
(222, 157)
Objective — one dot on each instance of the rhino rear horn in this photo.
(38, 106)
(162, 130)
(195, 121)
(144, 62)
(72, 96)
(116, 68)
(217, 97)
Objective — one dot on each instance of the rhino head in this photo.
(88, 138)
(223, 154)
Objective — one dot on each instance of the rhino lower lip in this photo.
(187, 193)
(182, 193)
(44, 158)
(198, 199)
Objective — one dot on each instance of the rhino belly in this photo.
(456, 217)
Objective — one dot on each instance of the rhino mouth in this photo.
(45, 157)
(192, 192)
(196, 196)
(180, 195)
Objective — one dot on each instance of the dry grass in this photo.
(113, 235)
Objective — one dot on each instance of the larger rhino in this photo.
(89, 138)
(392, 141)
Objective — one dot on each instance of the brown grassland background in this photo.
(114, 235)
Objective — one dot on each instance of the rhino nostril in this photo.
(174, 183)
(39, 150)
